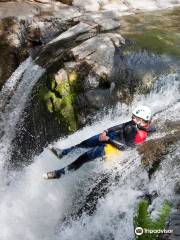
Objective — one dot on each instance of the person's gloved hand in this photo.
(117, 144)
(103, 137)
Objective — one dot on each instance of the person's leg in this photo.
(86, 157)
(88, 143)
(91, 142)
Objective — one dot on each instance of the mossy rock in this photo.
(153, 151)
(63, 89)
(73, 77)
(68, 113)
(59, 101)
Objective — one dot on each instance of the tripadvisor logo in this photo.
(139, 231)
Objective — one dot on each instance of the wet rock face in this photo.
(105, 79)
(9, 44)
(86, 70)
(152, 154)
(97, 72)
(153, 151)
(59, 100)
(124, 6)
(98, 52)
(177, 188)
(68, 2)
(25, 25)
(51, 36)
(18, 36)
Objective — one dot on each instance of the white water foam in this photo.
(36, 208)
(19, 85)
(33, 207)
(12, 82)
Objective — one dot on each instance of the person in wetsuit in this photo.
(121, 136)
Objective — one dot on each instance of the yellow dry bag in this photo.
(111, 152)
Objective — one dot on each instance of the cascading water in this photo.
(16, 91)
(41, 209)
(32, 208)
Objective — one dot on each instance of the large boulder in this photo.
(177, 188)
(55, 49)
(24, 26)
(153, 151)
(89, 5)
(32, 8)
(97, 71)
(68, 2)
(124, 6)
(105, 20)
(10, 57)
(99, 53)
(56, 96)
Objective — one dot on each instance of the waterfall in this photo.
(34, 209)
(41, 209)
(13, 98)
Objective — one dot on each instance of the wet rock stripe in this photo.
(175, 224)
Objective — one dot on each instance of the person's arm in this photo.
(104, 135)
(116, 128)
(117, 144)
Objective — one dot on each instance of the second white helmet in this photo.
(143, 112)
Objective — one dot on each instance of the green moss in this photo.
(53, 85)
(68, 112)
(58, 97)
(72, 77)
(49, 95)
(59, 101)
(63, 89)
(143, 219)
(49, 106)
(75, 82)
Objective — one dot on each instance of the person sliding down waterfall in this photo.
(120, 137)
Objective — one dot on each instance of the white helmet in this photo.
(143, 112)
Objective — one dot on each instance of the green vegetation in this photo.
(143, 219)
(59, 99)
